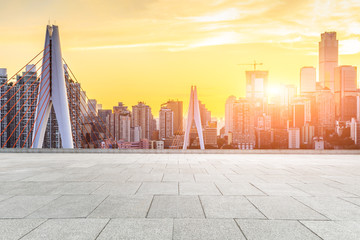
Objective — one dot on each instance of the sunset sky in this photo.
(154, 50)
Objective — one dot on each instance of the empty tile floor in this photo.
(179, 196)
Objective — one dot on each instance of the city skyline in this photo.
(175, 48)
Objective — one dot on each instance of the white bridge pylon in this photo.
(57, 92)
(193, 115)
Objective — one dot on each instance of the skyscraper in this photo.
(177, 109)
(3, 100)
(141, 116)
(307, 80)
(325, 109)
(166, 119)
(243, 124)
(256, 84)
(345, 92)
(229, 114)
(328, 59)
(120, 126)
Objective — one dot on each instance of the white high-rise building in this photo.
(328, 59)
(256, 84)
(141, 116)
(307, 80)
(294, 138)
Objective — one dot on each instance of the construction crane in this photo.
(252, 64)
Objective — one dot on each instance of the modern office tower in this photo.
(256, 84)
(177, 108)
(294, 138)
(120, 126)
(205, 115)
(328, 59)
(325, 108)
(75, 101)
(301, 112)
(278, 116)
(210, 134)
(26, 106)
(345, 92)
(3, 105)
(92, 107)
(166, 120)
(243, 125)
(229, 114)
(307, 80)
(105, 121)
(141, 116)
(263, 131)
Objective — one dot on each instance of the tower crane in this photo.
(252, 64)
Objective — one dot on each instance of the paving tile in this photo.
(280, 189)
(123, 177)
(153, 188)
(321, 189)
(76, 188)
(334, 230)
(332, 207)
(4, 197)
(353, 200)
(229, 207)
(136, 229)
(28, 188)
(210, 178)
(16, 228)
(243, 178)
(178, 177)
(282, 207)
(238, 189)
(116, 206)
(275, 230)
(198, 189)
(68, 229)
(176, 207)
(146, 177)
(21, 206)
(206, 229)
(69, 206)
(111, 188)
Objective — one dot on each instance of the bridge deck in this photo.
(177, 196)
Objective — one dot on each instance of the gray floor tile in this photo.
(275, 230)
(138, 229)
(111, 188)
(198, 189)
(123, 207)
(320, 189)
(332, 207)
(238, 189)
(206, 229)
(76, 188)
(229, 207)
(176, 207)
(280, 189)
(16, 228)
(69, 206)
(152, 188)
(353, 200)
(284, 208)
(146, 177)
(178, 177)
(68, 229)
(21, 206)
(210, 178)
(335, 230)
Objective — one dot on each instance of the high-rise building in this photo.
(229, 105)
(3, 105)
(307, 80)
(205, 115)
(243, 125)
(92, 107)
(256, 84)
(294, 138)
(141, 116)
(328, 59)
(345, 92)
(177, 109)
(166, 120)
(301, 112)
(120, 124)
(325, 108)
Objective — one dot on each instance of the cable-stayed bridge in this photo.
(45, 105)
